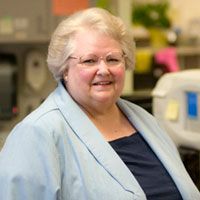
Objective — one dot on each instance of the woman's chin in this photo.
(105, 97)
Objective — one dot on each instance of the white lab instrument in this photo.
(176, 105)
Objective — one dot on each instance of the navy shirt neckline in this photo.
(146, 167)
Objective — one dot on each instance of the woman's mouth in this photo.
(103, 83)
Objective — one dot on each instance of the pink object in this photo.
(168, 57)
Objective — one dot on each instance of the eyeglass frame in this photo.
(98, 59)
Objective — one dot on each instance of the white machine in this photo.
(176, 105)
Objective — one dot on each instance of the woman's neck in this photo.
(112, 123)
(101, 113)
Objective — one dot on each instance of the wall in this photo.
(183, 11)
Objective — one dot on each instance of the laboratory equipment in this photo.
(176, 105)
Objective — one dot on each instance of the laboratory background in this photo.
(165, 81)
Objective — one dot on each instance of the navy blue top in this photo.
(146, 167)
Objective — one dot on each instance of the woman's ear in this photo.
(65, 74)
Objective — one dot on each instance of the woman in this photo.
(84, 142)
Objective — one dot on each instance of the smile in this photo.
(103, 83)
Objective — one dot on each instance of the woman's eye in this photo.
(89, 61)
(113, 60)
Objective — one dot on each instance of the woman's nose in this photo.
(102, 67)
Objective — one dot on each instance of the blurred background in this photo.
(166, 32)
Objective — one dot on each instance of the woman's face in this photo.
(94, 84)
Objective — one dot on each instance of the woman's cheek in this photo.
(87, 75)
(119, 73)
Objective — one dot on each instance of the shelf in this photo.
(181, 50)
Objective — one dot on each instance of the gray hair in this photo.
(62, 44)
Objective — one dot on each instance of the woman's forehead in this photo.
(91, 40)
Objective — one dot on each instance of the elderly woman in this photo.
(84, 142)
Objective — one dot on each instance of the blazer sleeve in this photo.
(29, 165)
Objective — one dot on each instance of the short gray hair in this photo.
(62, 46)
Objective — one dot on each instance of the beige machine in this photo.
(176, 105)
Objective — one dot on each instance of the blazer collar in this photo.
(94, 141)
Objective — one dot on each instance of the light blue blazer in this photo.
(56, 153)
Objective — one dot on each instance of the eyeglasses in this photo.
(111, 59)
